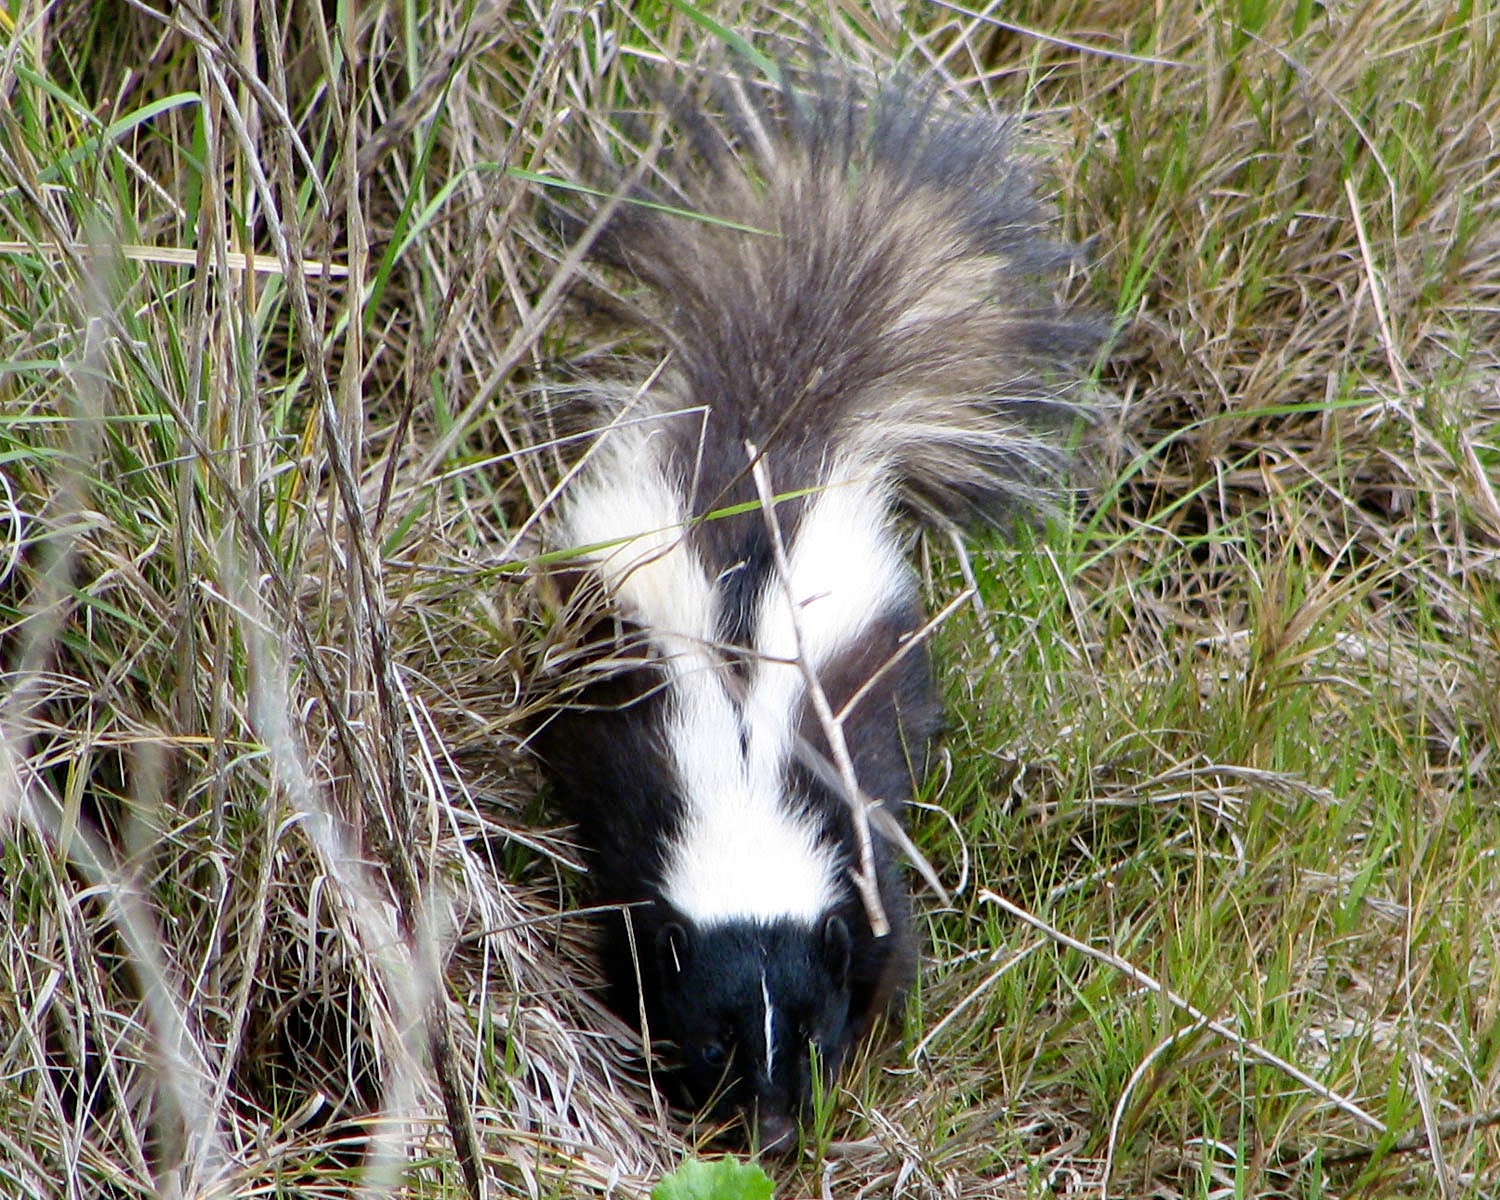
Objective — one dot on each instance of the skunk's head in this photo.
(750, 1010)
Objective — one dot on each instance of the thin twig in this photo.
(1134, 973)
(1377, 294)
(1414, 1143)
(910, 643)
(833, 730)
(1122, 1102)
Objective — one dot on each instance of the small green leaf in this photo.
(725, 1179)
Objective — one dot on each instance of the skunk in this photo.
(852, 290)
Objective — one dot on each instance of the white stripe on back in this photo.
(743, 854)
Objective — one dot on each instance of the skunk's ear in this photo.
(671, 950)
(836, 949)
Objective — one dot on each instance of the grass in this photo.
(1219, 809)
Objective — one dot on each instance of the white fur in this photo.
(744, 853)
(630, 516)
(740, 854)
(845, 566)
(770, 1025)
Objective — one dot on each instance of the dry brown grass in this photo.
(264, 621)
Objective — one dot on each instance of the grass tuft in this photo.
(279, 331)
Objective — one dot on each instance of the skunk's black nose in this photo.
(775, 1133)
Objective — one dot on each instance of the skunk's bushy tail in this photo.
(867, 274)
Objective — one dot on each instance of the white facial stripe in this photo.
(765, 997)
(740, 856)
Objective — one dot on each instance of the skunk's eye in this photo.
(713, 1055)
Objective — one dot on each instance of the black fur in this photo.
(699, 989)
